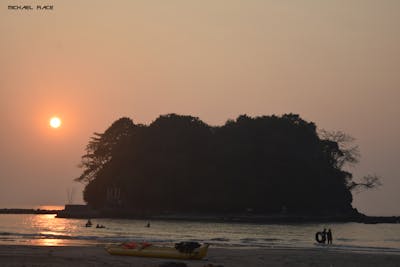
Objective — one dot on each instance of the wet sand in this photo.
(12, 255)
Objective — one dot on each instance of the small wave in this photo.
(5, 233)
(392, 239)
(85, 237)
(222, 239)
(271, 239)
(358, 248)
(47, 236)
(120, 239)
(248, 240)
(19, 234)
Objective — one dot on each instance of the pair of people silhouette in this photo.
(327, 236)
(324, 236)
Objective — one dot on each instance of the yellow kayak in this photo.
(158, 252)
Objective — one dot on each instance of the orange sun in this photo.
(55, 122)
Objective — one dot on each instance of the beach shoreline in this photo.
(25, 255)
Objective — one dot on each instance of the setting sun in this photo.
(55, 122)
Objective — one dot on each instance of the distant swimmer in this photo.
(88, 224)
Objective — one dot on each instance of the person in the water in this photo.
(89, 223)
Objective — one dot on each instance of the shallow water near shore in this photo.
(46, 230)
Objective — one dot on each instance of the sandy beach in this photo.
(12, 255)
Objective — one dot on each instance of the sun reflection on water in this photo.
(51, 231)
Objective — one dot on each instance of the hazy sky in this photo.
(336, 63)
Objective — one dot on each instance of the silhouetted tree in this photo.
(181, 164)
(367, 182)
(100, 148)
(343, 151)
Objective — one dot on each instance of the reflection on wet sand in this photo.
(48, 242)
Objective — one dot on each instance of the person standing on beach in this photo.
(329, 236)
(324, 233)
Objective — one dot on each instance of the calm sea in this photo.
(47, 230)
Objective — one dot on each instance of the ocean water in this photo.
(46, 230)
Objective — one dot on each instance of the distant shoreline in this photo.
(27, 211)
(239, 218)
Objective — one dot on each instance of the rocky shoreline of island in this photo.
(83, 212)
(272, 219)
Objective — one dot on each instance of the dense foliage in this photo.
(180, 164)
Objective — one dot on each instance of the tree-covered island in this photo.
(261, 165)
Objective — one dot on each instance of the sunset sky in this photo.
(336, 63)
